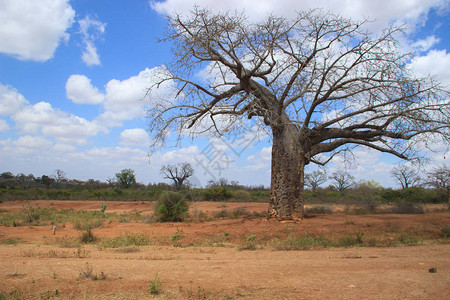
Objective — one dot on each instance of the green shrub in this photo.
(156, 286)
(102, 207)
(217, 193)
(260, 195)
(88, 237)
(404, 207)
(241, 196)
(171, 207)
(413, 195)
(31, 213)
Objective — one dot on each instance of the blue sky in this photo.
(73, 75)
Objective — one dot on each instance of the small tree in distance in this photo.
(314, 179)
(439, 178)
(342, 180)
(59, 176)
(126, 178)
(219, 182)
(178, 173)
(406, 176)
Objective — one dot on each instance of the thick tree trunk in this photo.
(287, 178)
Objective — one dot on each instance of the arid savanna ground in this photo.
(221, 255)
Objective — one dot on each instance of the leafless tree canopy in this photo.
(342, 180)
(406, 176)
(319, 84)
(439, 177)
(314, 179)
(324, 74)
(59, 175)
(178, 173)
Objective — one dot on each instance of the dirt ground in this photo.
(195, 267)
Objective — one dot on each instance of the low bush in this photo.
(404, 207)
(413, 195)
(88, 237)
(171, 207)
(156, 286)
(217, 193)
(241, 196)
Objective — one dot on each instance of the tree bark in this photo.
(287, 177)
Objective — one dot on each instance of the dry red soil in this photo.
(39, 266)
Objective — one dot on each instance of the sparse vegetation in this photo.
(88, 236)
(88, 273)
(445, 231)
(248, 243)
(156, 285)
(128, 239)
(320, 209)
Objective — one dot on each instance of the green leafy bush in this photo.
(156, 286)
(413, 195)
(171, 207)
(241, 196)
(217, 193)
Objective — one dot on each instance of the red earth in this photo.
(205, 260)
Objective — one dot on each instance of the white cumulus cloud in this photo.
(425, 44)
(43, 118)
(126, 99)
(91, 30)
(382, 12)
(435, 63)
(32, 142)
(4, 127)
(32, 30)
(180, 155)
(11, 101)
(134, 137)
(80, 90)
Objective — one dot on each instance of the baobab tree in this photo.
(342, 180)
(318, 84)
(314, 179)
(406, 176)
(178, 173)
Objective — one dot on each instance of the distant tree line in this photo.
(342, 187)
